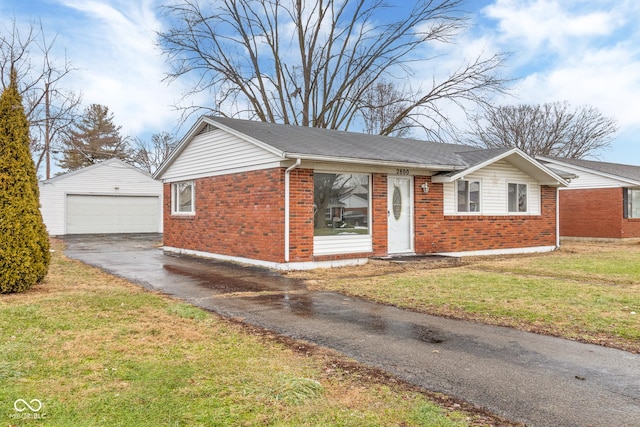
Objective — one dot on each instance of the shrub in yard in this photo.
(24, 243)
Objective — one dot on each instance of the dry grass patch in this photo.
(97, 350)
(587, 291)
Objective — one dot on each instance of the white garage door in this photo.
(112, 214)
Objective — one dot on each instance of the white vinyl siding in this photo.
(110, 178)
(334, 245)
(493, 197)
(218, 153)
(587, 179)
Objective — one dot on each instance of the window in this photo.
(632, 203)
(183, 198)
(517, 197)
(341, 204)
(468, 193)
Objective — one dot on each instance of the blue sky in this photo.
(583, 52)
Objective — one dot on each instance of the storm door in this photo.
(400, 214)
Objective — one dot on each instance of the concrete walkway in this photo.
(528, 378)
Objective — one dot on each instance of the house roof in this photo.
(319, 144)
(628, 173)
(109, 162)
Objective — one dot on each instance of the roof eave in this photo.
(373, 162)
(629, 181)
(552, 179)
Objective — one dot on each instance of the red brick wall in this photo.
(631, 228)
(595, 213)
(436, 232)
(242, 215)
(237, 215)
(379, 214)
(301, 215)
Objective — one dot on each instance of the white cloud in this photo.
(548, 23)
(608, 79)
(581, 52)
(120, 66)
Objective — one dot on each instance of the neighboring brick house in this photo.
(601, 201)
(293, 197)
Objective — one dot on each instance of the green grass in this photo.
(585, 291)
(98, 351)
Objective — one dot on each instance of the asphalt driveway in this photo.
(529, 378)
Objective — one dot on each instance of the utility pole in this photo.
(47, 131)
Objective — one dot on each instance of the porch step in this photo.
(429, 261)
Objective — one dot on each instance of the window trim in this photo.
(456, 193)
(346, 244)
(628, 203)
(175, 196)
(518, 184)
(369, 203)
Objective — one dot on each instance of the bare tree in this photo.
(310, 63)
(50, 108)
(381, 105)
(552, 129)
(149, 155)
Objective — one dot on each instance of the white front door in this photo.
(400, 214)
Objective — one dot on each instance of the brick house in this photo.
(602, 199)
(291, 197)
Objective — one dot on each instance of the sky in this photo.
(585, 52)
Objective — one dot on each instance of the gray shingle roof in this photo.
(630, 172)
(307, 141)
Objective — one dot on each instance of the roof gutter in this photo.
(287, 209)
(373, 162)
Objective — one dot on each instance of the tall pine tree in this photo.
(24, 243)
(95, 139)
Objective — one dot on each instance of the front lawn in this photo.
(94, 350)
(587, 291)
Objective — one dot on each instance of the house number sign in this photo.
(402, 171)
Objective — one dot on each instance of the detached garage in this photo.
(108, 197)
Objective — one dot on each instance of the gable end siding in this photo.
(217, 153)
(587, 179)
(494, 179)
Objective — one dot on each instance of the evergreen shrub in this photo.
(24, 242)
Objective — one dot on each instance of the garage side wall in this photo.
(596, 212)
(238, 215)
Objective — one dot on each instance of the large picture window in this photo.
(183, 198)
(632, 203)
(468, 196)
(517, 197)
(341, 204)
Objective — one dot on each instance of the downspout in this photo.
(557, 217)
(286, 207)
